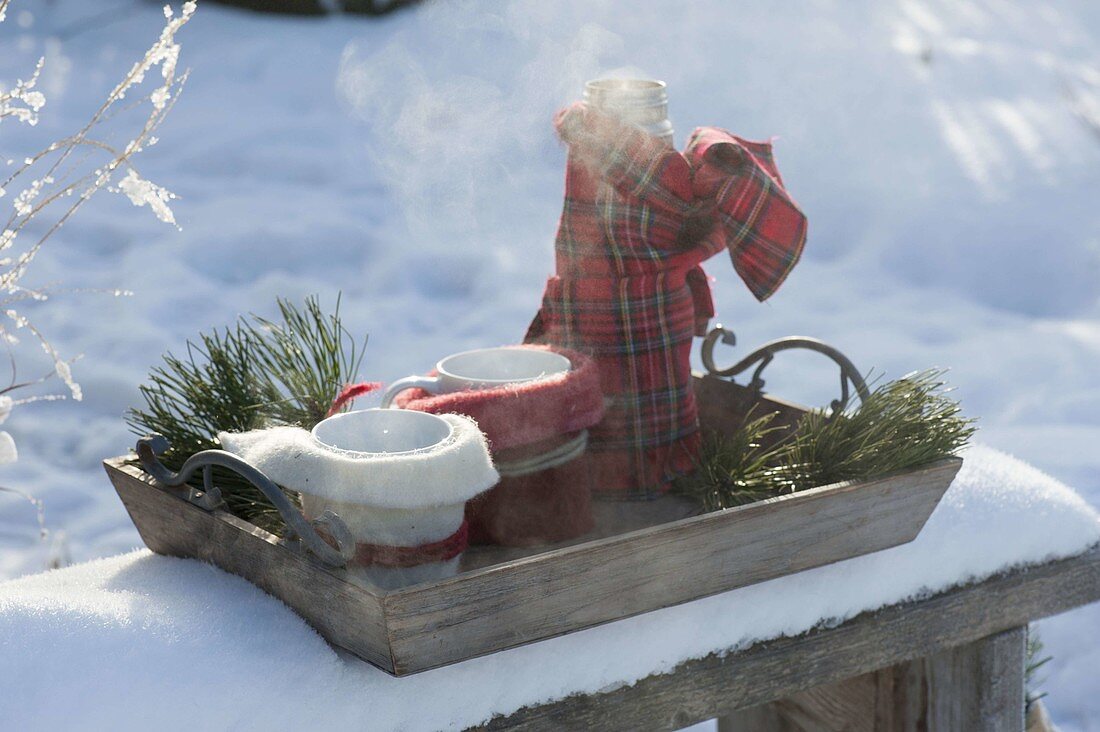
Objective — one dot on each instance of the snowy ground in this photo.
(132, 621)
(948, 155)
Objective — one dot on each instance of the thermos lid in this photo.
(641, 102)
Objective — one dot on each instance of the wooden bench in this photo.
(952, 661)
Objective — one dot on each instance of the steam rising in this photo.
(466, 143)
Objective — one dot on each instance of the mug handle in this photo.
(429, 384)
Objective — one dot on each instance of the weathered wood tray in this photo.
(643, 556)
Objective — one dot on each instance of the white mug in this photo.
(483, 368)
(382, 433)
(378, 431)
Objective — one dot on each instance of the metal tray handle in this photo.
(148, 448)
(766, 353)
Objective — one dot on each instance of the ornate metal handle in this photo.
(148, 448)
(766, 353)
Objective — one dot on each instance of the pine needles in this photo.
(303, 362)
(1035, 659)
(903, 424)
(735, 469)
(256, 373)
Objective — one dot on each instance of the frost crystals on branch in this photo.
(22, 102)
(49, 186)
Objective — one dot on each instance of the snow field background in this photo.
(947, 154)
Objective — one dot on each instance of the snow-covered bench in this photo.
(145, 641)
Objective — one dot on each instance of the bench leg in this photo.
(978, 687)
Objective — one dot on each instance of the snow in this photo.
(146, 193)
(140, 641)
(946, 154)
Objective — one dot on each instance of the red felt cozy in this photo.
(537, 431)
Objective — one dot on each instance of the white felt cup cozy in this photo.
(483, 368)
(390, 433)
(399, 480)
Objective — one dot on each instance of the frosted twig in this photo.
(47, 178)
(40, 510)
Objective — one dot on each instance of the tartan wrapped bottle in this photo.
(639, 219)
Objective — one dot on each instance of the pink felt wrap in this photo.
(521, 421)
(514, 415)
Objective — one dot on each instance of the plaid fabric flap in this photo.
(764, 229)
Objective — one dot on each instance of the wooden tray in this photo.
(643, 556)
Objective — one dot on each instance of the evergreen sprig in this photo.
(735, 469)
(303, 362)
(256, 373)
(1035, 659)
(901, 425)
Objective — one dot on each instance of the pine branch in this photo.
(902, 424)
(300, 361)
(735, 469)
(256, 373)
(1035, 660)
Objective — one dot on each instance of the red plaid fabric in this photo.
(638, 220)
